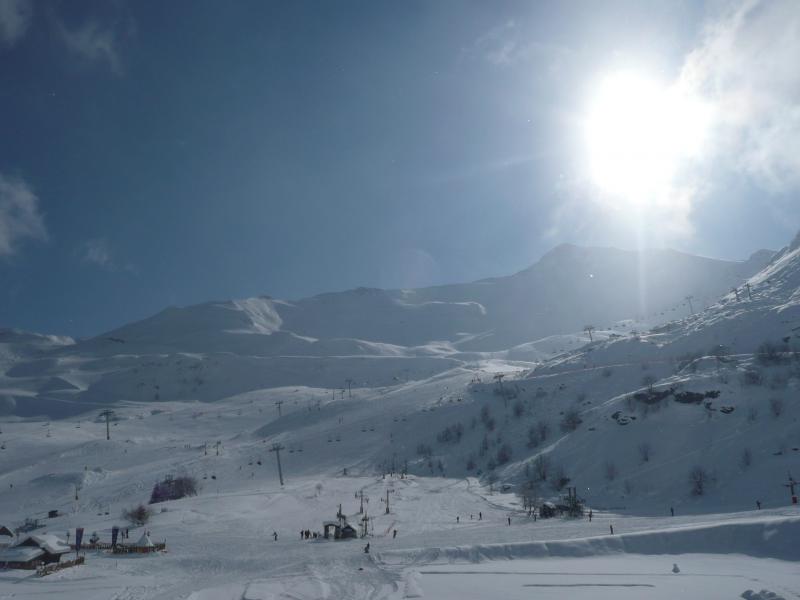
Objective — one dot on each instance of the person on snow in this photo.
(366, 548)
(509, 521)
(458, 519)
(672, 511)
(480, 516)
(611, 527)
(591, 514)
(394, 534)
(275, 535)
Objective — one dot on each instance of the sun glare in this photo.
(639, 134)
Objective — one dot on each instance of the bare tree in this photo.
(137, 515)
(589, 329)
(747, 458)
(698, 480)
(571, 420)
(541, 467)
(645, 450)
(776, 406)
(610, 471)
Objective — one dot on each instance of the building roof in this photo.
(20, 554)
(6, 531)
(46, 541)
(144, 541)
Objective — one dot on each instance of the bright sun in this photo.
(639, 133)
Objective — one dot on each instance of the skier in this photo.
(591, 514)
(275, 535)
(301, 534)
(509, 521)
(458, 519)
(758, 504)
(480, 516)
(366, 548)
(611, 527)
(672, 511)
(394, 534)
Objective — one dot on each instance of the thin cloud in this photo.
(15, 19)
(507, 44)
(97, 252)
(94, 43)
(20, 218)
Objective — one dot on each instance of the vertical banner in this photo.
(114, 535)
(78, 538)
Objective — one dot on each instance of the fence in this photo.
(122, 549)
(95, 546)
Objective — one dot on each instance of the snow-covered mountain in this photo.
(568, 288)
(372, 337)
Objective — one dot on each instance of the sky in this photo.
(170, 153)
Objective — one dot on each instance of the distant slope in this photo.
(567, 289)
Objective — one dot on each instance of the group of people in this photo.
(307, 534)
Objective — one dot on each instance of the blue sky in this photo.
(168, 153)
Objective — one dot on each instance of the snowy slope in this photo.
(403, 411)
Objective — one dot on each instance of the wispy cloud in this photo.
(15, 18)
(508, 44)
(94, 43)
(747, 65)
(20, 218)
(97, 252)
(98, 38)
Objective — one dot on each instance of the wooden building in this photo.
(33, 551)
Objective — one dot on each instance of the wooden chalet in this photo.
(33, 551)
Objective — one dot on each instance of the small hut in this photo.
(338, 530)
(547, 510)
(32, 551)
